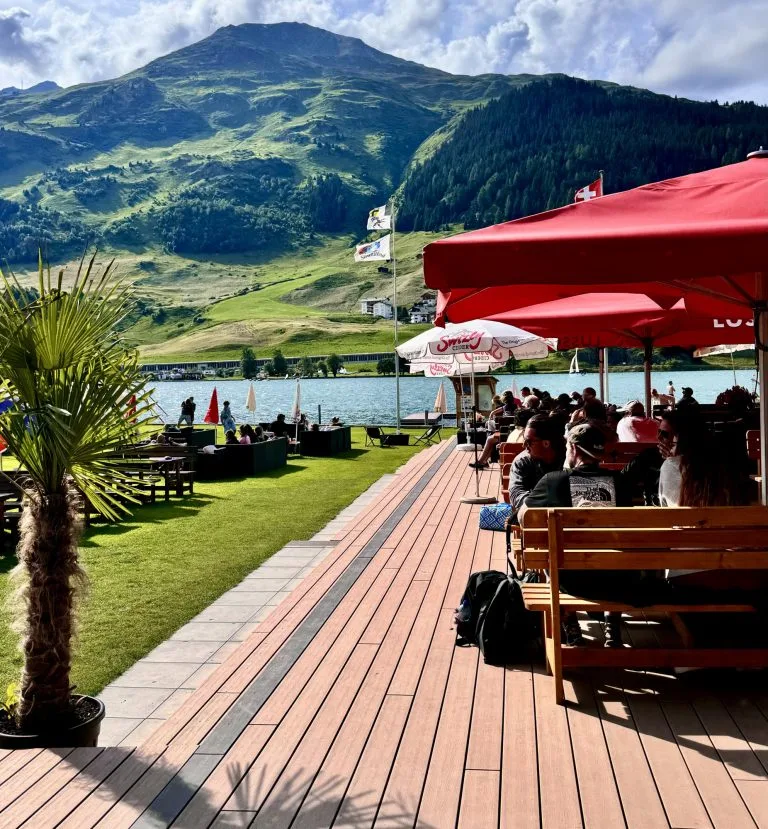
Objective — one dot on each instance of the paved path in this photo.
(156, 686)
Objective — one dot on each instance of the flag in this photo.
(377, 251)
(212, 415)
(380, 218)
(591, 191)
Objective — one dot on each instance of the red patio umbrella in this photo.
(600, 320)
(704, 235)
(212, 415)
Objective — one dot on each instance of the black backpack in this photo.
(492, 616)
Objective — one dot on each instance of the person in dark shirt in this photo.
(687, 402)
(544, 452)
(584, 483)
(279, 427)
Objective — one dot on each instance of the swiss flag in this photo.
(591, 191)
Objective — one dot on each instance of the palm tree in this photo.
(76, 396)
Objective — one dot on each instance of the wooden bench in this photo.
(618, 455)
(640, 538)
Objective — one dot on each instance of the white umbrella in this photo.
(250, 400)
(296, 408)
(440, 405)
(487, 342)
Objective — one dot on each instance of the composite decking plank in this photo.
(16, 760)
(443, 783)
(719, 793)
(755, 795)
(558, 790)
(600, 802)
(519, 808)
(76, 790)
(208, 801)
(333, 777)
(290, 613)
(732, 746)
(292, 726)
(484, 752)
(30, 773)
(752, 724)
(640, 799)
(479, 800)
(366, 790)
(286, 797)
(38, 795)
(682, 801)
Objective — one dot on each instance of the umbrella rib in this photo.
(686, 286)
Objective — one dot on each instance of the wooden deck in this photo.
(351, 707)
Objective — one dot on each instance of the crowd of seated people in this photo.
(683, 463)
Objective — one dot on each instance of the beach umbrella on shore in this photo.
(212, 415)
(250, 400)
(440, 405)
(296, 408)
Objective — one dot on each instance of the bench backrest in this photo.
(652, 538)
(753, 444)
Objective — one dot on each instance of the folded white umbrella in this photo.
(440, 404)
(250, 400)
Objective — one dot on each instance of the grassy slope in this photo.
(154, 572)
(284, 311)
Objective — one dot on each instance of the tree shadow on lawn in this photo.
(159, 513)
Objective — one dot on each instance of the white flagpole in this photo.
(394, 303)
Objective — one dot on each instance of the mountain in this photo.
(43, 86)
(232, 178)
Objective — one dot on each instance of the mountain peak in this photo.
(43, 86)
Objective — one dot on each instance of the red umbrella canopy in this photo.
(212, 415)
(626, 320)
(703, 235)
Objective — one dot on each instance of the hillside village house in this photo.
(423, 310)
(377, 308)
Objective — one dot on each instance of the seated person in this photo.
(315, 427)
(230, 438)
(544, 452)
(492, 441)
(245, 434)
(280, 428)
(517, 433)
(334, 424)
(687, 402)
(583, 483)
(635, 427)
(705, 470)
(257, 434)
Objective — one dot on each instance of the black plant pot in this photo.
(82, 734)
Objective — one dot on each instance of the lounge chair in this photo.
(432, 435)
(374, 434)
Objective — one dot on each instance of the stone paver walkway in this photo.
(148, 693)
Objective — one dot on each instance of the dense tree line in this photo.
(531, 149)
(27, 228)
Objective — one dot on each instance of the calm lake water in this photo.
(372, 399)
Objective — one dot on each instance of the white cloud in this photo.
(701, 48)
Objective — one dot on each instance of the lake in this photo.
(365, 400)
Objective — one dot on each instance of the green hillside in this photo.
(232, 178)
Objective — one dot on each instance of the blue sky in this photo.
(698, 48)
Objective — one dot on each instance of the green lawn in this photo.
(153, 572)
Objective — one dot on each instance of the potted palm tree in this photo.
(72, 395)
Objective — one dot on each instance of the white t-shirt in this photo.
(637, 429)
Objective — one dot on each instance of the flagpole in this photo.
(604, 378)
(394, 303)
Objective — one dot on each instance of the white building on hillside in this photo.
(377, 308)
(424, 310)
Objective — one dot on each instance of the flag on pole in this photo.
(378, 251)
(591, 191)
(212, 415)
(250, 400)
(380, 218)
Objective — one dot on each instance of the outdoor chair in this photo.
(374, 434)
(432, 435)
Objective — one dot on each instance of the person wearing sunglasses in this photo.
(544, 452)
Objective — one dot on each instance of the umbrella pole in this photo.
(477, 498)
(647, 360)
(601, 371)
(761, 336)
